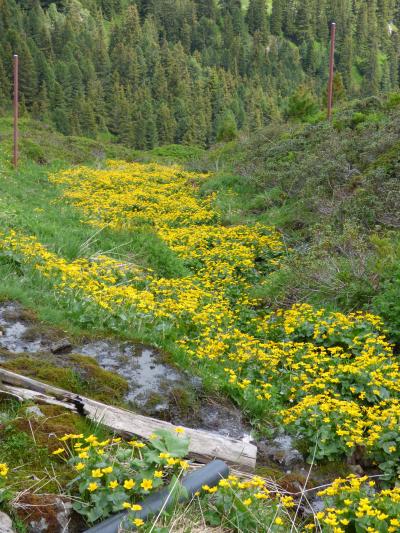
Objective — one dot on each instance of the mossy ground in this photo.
(77, 373)
(26, 443)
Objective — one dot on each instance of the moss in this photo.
(43, 370)
(75, 373)
(99, 383)
(184, 399)
(56, 422)
(269, 472)
(329, 471)
(153, 400)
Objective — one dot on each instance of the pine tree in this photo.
(277, 17)
(5, 89)
(256, 17)
(226, 126)
(41, 106)
(206, 8)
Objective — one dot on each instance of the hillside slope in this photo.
(334, 192)
(253, 268)
(189, 71)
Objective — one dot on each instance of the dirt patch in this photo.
(47, 513)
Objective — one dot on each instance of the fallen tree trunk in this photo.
(204, 446)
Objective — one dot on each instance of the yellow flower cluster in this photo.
(313, 368)
(3, 470)
(353, 504)
(211, 302)
(125, 195)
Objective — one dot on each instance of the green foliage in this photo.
(226, 127)
(301, 105)
(329, 189)
(154, 73)
(387, 303)
(111, 476)
(245, 507)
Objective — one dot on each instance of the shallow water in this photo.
(155, 388)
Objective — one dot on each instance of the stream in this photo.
(158, 389)
(155, 388)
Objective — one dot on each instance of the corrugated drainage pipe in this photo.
(209, 475)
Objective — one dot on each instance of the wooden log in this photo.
(204, 446)
(33, 396)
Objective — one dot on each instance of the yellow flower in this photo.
(3, 469)
(137, 444)
(83, 455)
(58, 451)
(113, 484)
(247, 502)
(97, 473)
(126, 505)
(138, 522)
(79, 466)
(107, 470)
(147, 484)
(278, 521)
(136, 507)
(129, 484)
(158, 473)
(179, 430)
(164, 455)
(92, 487)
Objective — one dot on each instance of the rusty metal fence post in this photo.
(16, 106)
(331, 70)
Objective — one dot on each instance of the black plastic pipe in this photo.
(210, 475)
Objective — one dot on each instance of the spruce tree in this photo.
(276, 17)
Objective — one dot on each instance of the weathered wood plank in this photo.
(34, 396)
(204, 446)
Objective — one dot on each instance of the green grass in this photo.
(332, 190)
(31, 204)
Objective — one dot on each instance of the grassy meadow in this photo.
(266, 266)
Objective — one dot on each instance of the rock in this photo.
(281, 451)
(62, 346)
(315, 505)
(47, 513)
(5, 523)
(34, 411)
(356, 469)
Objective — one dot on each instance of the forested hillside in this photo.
(189, 71)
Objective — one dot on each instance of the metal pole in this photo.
(16, 105)
(331, 70)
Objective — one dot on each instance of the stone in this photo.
(46, 513)
(280, 450)
(34, 411)
(62, 346)
(5, 523)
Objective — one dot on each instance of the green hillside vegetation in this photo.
(330, 189)
(333, 191)
(151, 73)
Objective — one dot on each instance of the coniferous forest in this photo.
(149, 72)
(197, 262)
